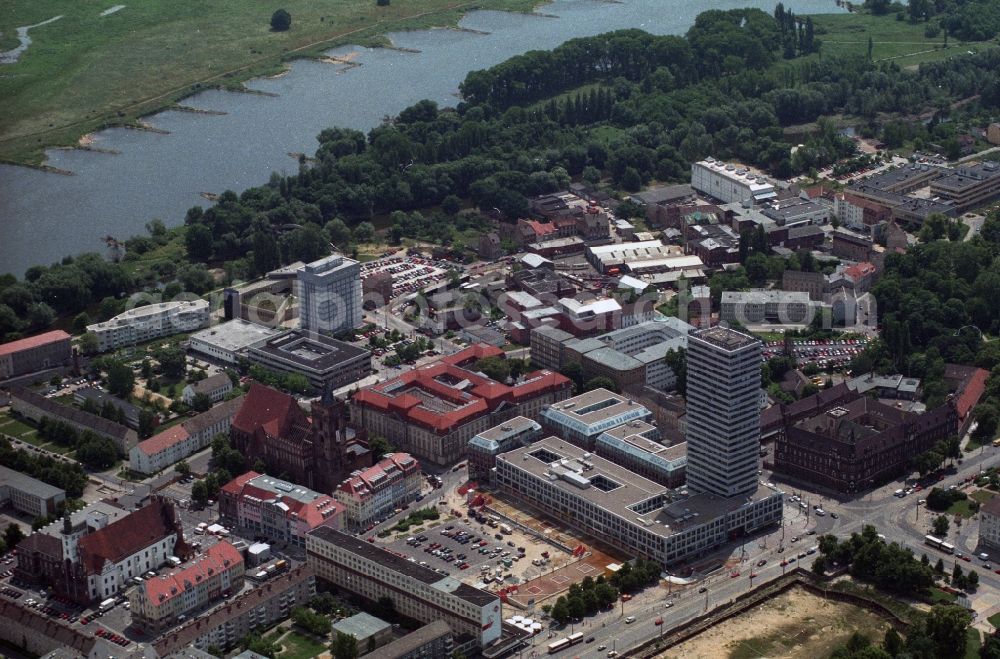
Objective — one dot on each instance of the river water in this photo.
(44, 216)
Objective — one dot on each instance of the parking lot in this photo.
(825, 353)
(409, 273)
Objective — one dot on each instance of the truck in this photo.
(505, 528)
(107, 605)
(173, 560)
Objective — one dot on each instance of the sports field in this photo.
(94, 66)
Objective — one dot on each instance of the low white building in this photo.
(730, 183)
(216, 387)
(177, 442)
(29, 495)
(377, 491)
(227, 341)
(759, 305)
(150, 322)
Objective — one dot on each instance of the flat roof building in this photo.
(626, 510)
(29, 495)
(431, 641)
(730, 183)
(150, 322)
(484, 448)
(367, 630)
(767, 306)
(417, 592)
(969, 186)
(636, 446)
(227, 341)
(34, 353)
(324, 361)
(582, 418)
(723, 412)
(331, 295)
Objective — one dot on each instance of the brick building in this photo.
(314, 451)
(34, 353)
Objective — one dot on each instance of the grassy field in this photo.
(298, 646)
(85, 71)
(899, 41)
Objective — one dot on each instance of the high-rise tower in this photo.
(723, 412)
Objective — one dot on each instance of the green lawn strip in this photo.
(939, 596)
(982, 496)
(995, 620)
(84, 71)
(960, 508)
(973, 643)
(900, 41)
(299, 646)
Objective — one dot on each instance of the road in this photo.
(901, 520)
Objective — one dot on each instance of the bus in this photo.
(575, 638)
(939, 544)
(996, 442)
(556, 646)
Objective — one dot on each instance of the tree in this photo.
(201, 402)
(173, 361)
(381, 3)
(314, 623)
(600, 382)
(12, 535)
(560, 611)
(379, 445)
(339, 233)
(344, 646)
(89, 344)
(183, 468)
(819, 565)
(198, 242)
(195, 278)
(281, 20)
(940, 525)
(946, 627)
(364, 232)
(451, 204)
(939, 566)
(80, 322)
(121, 379)
(199, 492)
(147, 423)
(96, 452)
(677, 361)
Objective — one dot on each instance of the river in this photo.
(44, 216)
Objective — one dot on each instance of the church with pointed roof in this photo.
(316, 449)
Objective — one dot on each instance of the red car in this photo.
(658, 622)
(734, 574)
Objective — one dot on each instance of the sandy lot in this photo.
(794, 625)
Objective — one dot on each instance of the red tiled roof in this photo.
(389, 470)
(481, 396)
(218, 558)
(859, 270)
(129, 535)
(270, 409)
(33, 342)
(971, 386)
(235, 486)
(312, 513)
(164, 440)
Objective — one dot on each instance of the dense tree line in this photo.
(66, 475)
(888, 566)
(625, 106)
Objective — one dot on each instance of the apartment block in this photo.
(484, 448)
(150, 322)
(260, 607)
(359, 567)
(730, 183)
(178, 442)
(161, 602)
(374, 493)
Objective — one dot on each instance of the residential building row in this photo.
(172, 445)
(33, 406)
(276, 509)
(165, 600)
(374, 493)
(417, 592)
(150, 322)
(258, 608)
